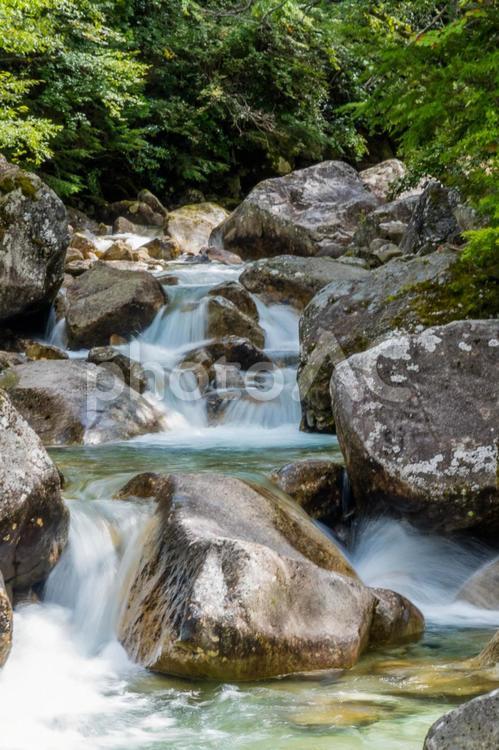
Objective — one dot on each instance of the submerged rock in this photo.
(237, 584)
(33, 240)
(308, 212)
(482, 589)
(472, 726)
(190, 226)
(224, 318)
(315, 484)
(105, 301)
(293, 280)
(6, 618)
(345, 318)
(70, 401)
(33, 517)
(417, 419)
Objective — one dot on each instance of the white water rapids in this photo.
(68, 684)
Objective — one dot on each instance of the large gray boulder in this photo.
(293, 280)
(383, 228)
(105, 301)
(482, 589)
(472, 726)
(238, 584)
(345, 318)
(33, 240)
(72, 402)
(309, 212)
(417, 419)
(33, 518)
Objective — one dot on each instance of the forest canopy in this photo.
(104, 97)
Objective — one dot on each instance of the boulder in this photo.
(223, 319)
(190, 226)
(234, 583)
(84, 243)
(161, 249)
(130, 371)
(386, 224)
(33, 240)
(106, 300)
(80, 222)
(10, 359)
(232, 349)
(482, 589)
(124, 226)
(315, 484)
(219, 255)
(439, 218)
(293, 280)
(382, 178)
(34, 350)
(137, 212)
(119, 250)
(73, 402)
(6, 618)
(238, 295)
(472, 726)
(73, 255)
(308, 212)
(78, 267)
(33, 517)
(489, 657)
(417, 419)
(145, 196)
(147, 486)
(347, 317)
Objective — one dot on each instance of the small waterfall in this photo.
(55, 332)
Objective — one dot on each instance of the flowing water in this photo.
(68, 683)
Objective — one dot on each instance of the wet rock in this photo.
(307, 212)
(34, 350)
(33, 518)
(223, 318)
(73, 402)
(438, 218)
(315, 484)
(417, 419)
(238, 295)
(238, 584)
(293, 280)
(233, 349)
(482, 589)
(190, 227)
(107, 301)
(119, 250)
(6, 618)
(131, 372)
(33, 240)
(162, 249)
(137, 212)
(147, 486)
(472, 726)
(218, 255)
(396, 619)
(489, 657)
(382, 179)
(347, 317)
(124, 226)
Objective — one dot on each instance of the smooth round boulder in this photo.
(190, 226)
(71, 402)
(105, 301)
(472, 726)
(33, 517)
(236, 583)
(308, 212)
(315, 484)
(33, 240)
(417, 419)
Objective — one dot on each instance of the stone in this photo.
(145, 196)
(10, 359)
(223, 318)
(124, 226)
(288, 279)
(396, 619)
(73, 255)
(434, 221)
(162, 249)
(33, 240)
(6, 621)
(472, 726)
(131, 372)
(78, 267)
(238, 295)
(382, 178)
(386, 224)
(106, 301)
(71, 402)
(482, 589)
(315, 484)
(34, 520)
(82, 242)
(119, 250)
(219, 255)
(235, 583)
(190, 226)
(417, 420)
(147, 486)
(489, 656)
(137, 212)
(307, 212)
(80, 222)
(345, 318)
(34, 350)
